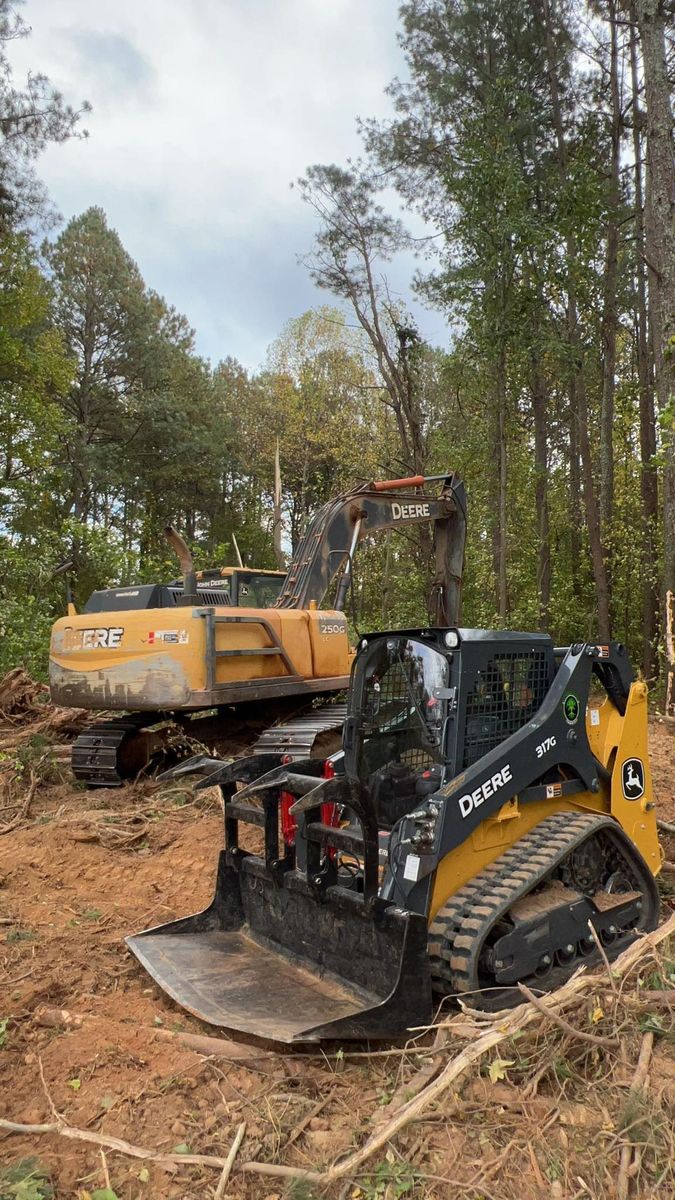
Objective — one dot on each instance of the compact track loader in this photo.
(489, 821)
(252, 645)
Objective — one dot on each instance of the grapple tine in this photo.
(191, 766)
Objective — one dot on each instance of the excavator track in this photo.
(525, 917)
(299, 736)
(98, 755)
(111, 752)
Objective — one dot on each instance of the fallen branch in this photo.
(25, 804)
(651, 998)
(579, 1034)
(665, 826)
(637, 1085)
(408, 1112)
(420, 1079)
(58, 1018)
(281, 1172)
(118, 1144)
(304, 1121)
(234, 1150)
(603, 954)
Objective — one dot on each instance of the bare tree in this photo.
(355, 237)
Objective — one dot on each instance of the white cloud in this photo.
(204, 113)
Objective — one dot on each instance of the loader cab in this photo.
(425, 704)
(217, 587)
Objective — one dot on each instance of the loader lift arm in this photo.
(332, 537)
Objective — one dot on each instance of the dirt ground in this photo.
(82, 869)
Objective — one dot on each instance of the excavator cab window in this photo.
(254, 589)
(402, 720)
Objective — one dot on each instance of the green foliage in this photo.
(392, 1177)
(29, 1179)
(35, 372)
(33, 114)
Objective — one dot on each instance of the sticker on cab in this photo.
(411, 870)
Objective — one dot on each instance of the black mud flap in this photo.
(271, 957)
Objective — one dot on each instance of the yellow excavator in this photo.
(253, 646)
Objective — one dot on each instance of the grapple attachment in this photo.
(284, 953)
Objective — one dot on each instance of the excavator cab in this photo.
(480, 829)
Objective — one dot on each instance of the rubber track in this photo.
(459, 929)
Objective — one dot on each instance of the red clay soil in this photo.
(66, 902)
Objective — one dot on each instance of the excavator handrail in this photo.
(212, 654)
(332, 536)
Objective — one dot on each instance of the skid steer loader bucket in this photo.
(275, 956)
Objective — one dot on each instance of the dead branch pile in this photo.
(26, 708)
(21, 697)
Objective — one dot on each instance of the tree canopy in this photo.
(534, 140)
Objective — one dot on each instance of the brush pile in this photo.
(26, 711)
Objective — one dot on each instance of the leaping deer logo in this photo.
(633, 779)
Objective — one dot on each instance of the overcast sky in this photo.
(204, 112)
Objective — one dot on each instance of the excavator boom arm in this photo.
(330, 542)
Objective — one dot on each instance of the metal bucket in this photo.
(272, 957)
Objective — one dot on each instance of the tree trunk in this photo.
(576, 519)
(592, 514)
(539, 406)
(660, 244)
(500, 461)
(577, 391)
(648, 474)
(609, 307)
(277, 529)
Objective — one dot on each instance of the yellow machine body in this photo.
(190, 658)
(613, 738)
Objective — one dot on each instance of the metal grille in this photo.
(417, 759)
(505, 695)
(211, 596)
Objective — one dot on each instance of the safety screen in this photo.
(505, 695)
(401, 713)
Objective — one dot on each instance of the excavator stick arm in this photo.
(331, 540)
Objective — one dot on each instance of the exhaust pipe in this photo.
(187, 566)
